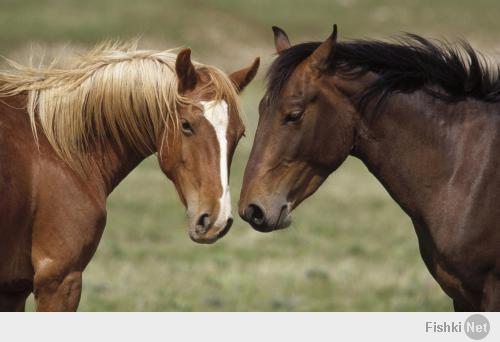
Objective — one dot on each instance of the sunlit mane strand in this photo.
(112, 92)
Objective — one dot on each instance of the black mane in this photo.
(407, 64)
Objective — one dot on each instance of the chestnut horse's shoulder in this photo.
(16, 189)
(16, 150)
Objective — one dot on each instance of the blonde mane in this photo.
(112, 92)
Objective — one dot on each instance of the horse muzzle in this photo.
(266, 219)
(203, 230)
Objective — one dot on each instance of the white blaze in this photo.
(217, 114)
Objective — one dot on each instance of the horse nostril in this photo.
(203, 221)
(255, 214)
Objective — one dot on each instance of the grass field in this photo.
(350, 246)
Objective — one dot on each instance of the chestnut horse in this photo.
(423, 116)
(69, 136)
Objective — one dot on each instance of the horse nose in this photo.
(203, 223)
(255, 215)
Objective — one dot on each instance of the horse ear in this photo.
(186, 73)
(281, 41)
(242, 77)
(320, 58)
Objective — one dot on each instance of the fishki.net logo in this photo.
(475, 327)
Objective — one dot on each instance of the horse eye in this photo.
(186, 127)
(294, 116)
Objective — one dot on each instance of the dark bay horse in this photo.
(423, 116)
(69, 136)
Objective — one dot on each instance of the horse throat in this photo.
(113, 163)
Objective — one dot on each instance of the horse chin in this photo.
(212, 235)
(207, 238)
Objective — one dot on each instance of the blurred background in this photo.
(350, 246)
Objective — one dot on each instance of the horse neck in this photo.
(409, 146)
(113, 164)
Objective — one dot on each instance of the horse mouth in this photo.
(284, 218)
(224, 231)
(209, 236)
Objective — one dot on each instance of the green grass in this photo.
(350, 246)
(224, 31)
(193, 20)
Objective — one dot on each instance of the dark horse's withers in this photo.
(423, 117)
